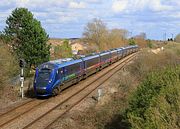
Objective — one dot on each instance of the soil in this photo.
(10, 96)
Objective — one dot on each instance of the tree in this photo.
(63, 51)
(117, 38)
(149, 43)
(27, 37)
(142, 36)
(177, 38)
(96, 32)
(132, 41)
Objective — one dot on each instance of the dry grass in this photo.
(8, 65)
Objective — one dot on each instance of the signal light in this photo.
(21, 63)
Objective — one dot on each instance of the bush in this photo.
(148, 61)
(149, 44)
(143, 104)
(63, 51)
(132, 42)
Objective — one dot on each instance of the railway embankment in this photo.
(132, 90)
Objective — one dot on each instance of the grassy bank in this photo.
(148, 70)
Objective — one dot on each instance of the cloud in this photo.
(77, 5)
(129, 6)
(68, 17)
(156, 5)
(119, 6)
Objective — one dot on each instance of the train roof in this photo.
(59, 63)
(90, 56)
(68, 61)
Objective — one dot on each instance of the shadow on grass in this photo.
(30, 93)
(117, 122)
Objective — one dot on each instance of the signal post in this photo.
(22, 65)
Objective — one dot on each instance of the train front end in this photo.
(43, 81)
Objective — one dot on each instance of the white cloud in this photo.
(119, 6)
(77, 5)
(140, 5)
(156, 5)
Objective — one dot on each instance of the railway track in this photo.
(43, 113)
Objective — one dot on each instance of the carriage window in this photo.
(73, 68)
(92, 62)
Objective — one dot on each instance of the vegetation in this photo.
(63, 51)
(177, 38)
(27, 38)
(8, 65)
(155, 104)
(98, 34)
(131, 42)
(149, 43)
(154, 101)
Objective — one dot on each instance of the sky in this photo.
(67, 18)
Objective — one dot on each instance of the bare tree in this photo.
(96, 32)
(142, 35)
(177, 38)
(117, 38)
(140, 39)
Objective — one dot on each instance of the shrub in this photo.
(142, 104)
(132, 42)
(63, 51)
(149, 44)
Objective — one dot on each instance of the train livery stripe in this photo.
(69, 76)
(94, 66)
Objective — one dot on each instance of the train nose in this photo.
(41, 90)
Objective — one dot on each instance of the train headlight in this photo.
(50, 80)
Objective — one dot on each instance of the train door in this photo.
(82, 67)
(60, 74)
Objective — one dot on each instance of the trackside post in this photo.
(22, 65)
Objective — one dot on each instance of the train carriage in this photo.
(120, 53)
(91, 64)
(114, 55)
(105, 58)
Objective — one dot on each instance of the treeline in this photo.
(96, 33)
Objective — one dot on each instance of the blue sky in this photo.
(67, 18)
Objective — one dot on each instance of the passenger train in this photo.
(53, 76)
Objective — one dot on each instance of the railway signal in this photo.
(22, 65)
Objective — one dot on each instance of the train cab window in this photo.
(43, 77)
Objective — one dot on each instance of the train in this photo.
(54, 76)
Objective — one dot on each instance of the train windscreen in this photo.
(43, 77)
